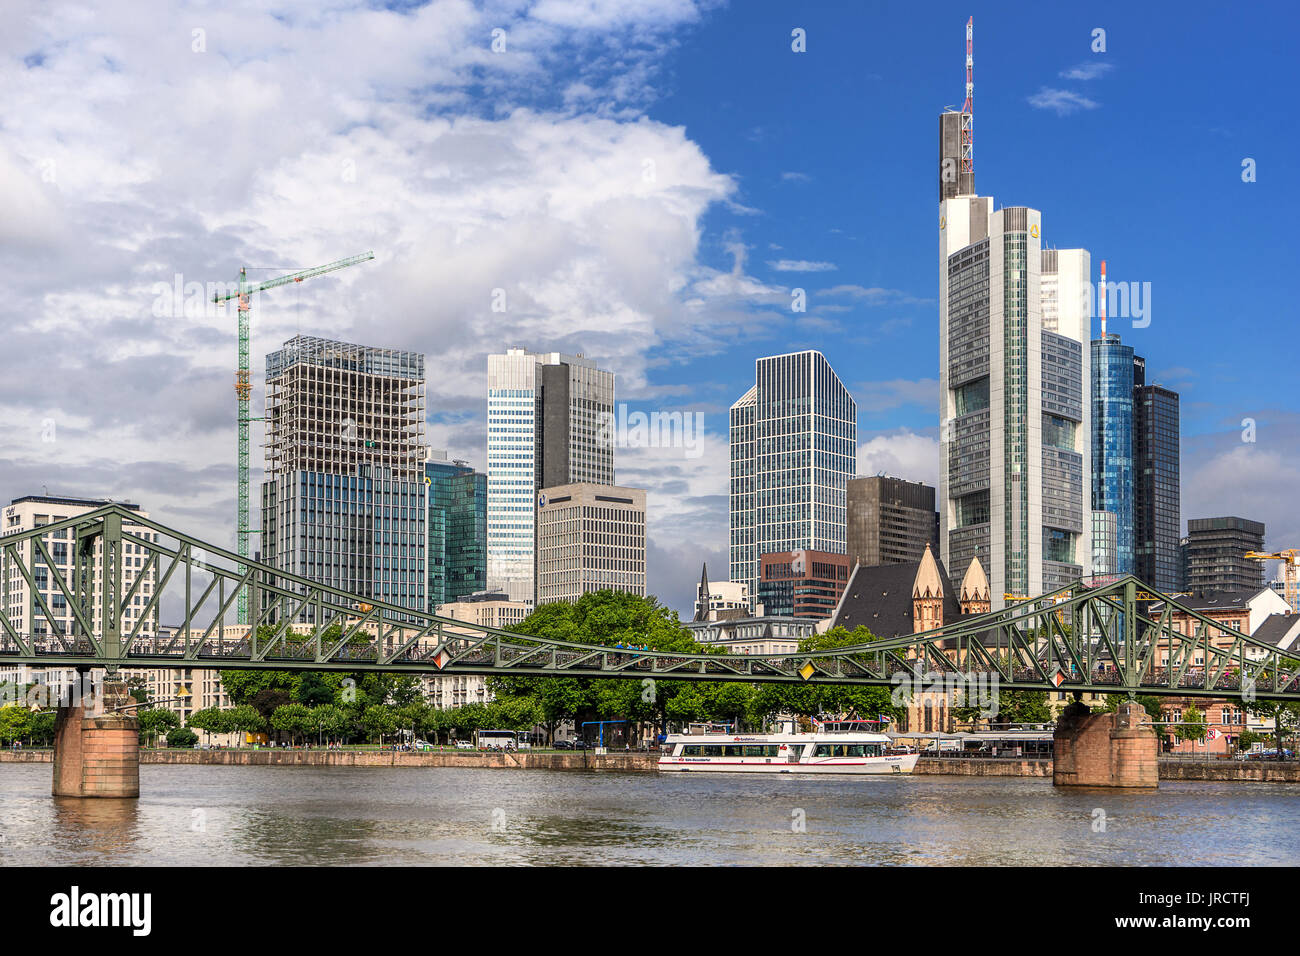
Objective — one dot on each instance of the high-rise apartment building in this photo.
(1216, 554)
(890, 521)
(1113, 443)
(457, 552)
(1015, 439)
(590, 537)
(793, 449)
(1157, 514)
(344, 501)
(545, 417)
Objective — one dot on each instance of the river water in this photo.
(362, 816)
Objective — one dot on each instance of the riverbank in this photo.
(640, 762)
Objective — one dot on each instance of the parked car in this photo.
(563, 745)
(464, 745)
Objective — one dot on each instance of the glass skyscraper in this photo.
(545, 416)
(793, 449)
(1112, 442)
(1157, 509)
(344, 501)
(457, 551)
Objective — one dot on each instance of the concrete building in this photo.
(803, 584)
(590, 537)
(23, 604)
(761, 634)
(1157, 514)
(1216, 553)
(718, 599)
(456, 556)
(344, 500)
(544, 429)
(793, 439)
(889, 520)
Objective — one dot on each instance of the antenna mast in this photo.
(968, 108)
(1101, 294)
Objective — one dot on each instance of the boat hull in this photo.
(867, 766)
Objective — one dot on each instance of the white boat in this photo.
(839, 748)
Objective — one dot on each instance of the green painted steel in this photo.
(1079, 638)
(244, 391)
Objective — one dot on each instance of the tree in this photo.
(380, 720)
(292, 719)
(181, 737)
(328, 721)
(1285, 716)
(245, 719)
(211, 720)
(15, 723)
(1191, 725)
(155, 721)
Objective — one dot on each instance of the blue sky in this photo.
(645, 183)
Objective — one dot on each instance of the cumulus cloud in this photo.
(1088, 70)
(148, 152)
(900, 454)
(801, 265)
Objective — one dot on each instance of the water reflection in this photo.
(378, 816)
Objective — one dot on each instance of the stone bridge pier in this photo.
(1105, 750)
(97, 748)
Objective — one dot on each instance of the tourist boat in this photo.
(843, 747)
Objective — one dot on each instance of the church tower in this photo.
(974, 593)
(927, 595)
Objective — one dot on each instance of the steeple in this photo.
(927, 594)
(974, 595)
(702, 598)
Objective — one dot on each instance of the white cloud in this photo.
(1088, 70)
(801, 265)
(1064, 102)
(874, 295)
(895, 393)
(900, 454)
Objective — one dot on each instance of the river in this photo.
(361, 816)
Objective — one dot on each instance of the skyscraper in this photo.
(1157, 515)
(1112, 442)
(344, 501)
(545, 412)
(1015, 442)
(793, 449)
(589, 538)
(457, 552)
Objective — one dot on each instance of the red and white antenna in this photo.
(1101, 294)
(968, 108)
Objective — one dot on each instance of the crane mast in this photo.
(968, 108)
(244, 392)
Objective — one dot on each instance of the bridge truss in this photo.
(118, 575)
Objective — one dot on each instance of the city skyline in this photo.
(722, 191)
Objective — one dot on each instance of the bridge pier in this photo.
(97, 750)
(1105, 750)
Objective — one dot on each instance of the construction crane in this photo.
(244, 391)
(1288, 559)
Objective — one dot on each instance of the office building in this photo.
(805, 584)
(1015, 437)
(456, 558)
(1216, 554)
(590, 537)
(890, 520)
(344, 501)
(486, 609)
(1157, 514)
(545, 412)
(1113, 443)
(793, 440)
(1105, 546)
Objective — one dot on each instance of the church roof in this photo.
(975, 583)
(880, 597)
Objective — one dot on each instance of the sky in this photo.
(653, 185)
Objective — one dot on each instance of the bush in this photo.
(182, 737)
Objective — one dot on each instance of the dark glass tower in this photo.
(457, 561)
(1157, 516)
(1112, 442)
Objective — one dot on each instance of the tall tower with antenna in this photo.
(957, 134)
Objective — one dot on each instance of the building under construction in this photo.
(344, 500)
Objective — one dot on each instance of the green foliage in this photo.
(1191, 726)
(1285, 716)
(156, 721)
(244, 686)
(15, 723)
(293, 719)
(181, 737)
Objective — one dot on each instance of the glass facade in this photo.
(1157, 504)
(1112, 442)
(789, 469)
(457, 552)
